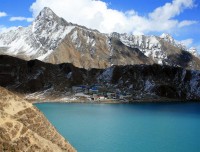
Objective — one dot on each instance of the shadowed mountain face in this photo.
(185, 60)
(53, 40)
(35, 75)
(157, 81)
(142, 81)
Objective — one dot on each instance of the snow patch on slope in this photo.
(149, 45)
(19, 41)
(74, 36)
(168, 38)
(193, 51)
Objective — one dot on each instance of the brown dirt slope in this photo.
(24, 128)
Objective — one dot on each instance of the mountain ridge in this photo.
(53, 40)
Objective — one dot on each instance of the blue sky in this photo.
(180, 18)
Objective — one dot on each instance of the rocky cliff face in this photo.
(154, 82)
(48, 81)
(24, 128)
(52, 39)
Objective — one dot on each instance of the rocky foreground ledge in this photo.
(24, 128)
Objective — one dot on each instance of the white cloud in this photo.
(170, 10)
(187, 42)
(98, 15)
(186, 23)
(2, 14)
(20, 18)
(6, 29)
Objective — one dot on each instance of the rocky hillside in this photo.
(52, 39)
(153, 82)
(50, 81)
(24, 128)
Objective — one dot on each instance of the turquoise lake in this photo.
(146, 127)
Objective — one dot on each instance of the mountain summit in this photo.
(47, 13)
(52, 39)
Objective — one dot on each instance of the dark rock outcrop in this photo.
(142, 81)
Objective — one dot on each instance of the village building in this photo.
(80, 88)
(93, 90)
(111, 95)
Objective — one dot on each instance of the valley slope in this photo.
(52, 55)
(53, 82)
(42, 62)
(24, 128)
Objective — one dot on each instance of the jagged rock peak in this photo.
(46, 14)
(193, 51)
(168, 38)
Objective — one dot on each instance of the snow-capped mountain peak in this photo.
(52, 39)
(193, 51)
(37, 40)
(46, 13)
(181, 45)
(49, 30)
(168, 38)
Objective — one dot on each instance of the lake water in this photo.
(160, 127)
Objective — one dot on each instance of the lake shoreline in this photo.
(118, 102)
